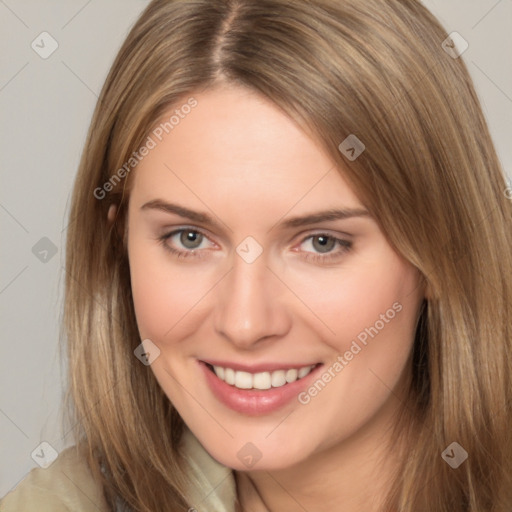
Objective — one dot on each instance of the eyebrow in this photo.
(293, 222)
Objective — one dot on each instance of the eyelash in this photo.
(345, 246)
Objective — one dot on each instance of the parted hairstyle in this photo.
(429, 175)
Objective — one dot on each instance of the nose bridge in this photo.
(247, 305)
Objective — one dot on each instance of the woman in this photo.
(289, 285)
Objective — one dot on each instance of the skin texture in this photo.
(238, 158)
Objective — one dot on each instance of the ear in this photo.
(111, 215)
(424, 286)
(427, 289)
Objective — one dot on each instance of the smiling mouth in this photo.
(260, 380)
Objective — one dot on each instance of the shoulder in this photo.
(212, 485)
(66, 485)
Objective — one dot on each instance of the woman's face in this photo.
(249, 252)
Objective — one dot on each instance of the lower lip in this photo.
(255, 402)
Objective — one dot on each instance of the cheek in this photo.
(357, 302)
(374, 317)
(163, 294)
(376, 333)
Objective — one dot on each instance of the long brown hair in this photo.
(429, 174)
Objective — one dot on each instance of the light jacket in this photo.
(67, 485)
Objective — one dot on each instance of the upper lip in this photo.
(256, 368)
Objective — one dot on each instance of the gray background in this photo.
(46, 106)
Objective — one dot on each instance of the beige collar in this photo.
(214, 486)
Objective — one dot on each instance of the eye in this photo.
(322, 243)
(184, 242)
(325, 247)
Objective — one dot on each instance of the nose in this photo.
(250, 305)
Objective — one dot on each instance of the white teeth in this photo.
(278, 379)
(219, 371)
(243, 380)
(291, 375)
(262, 380)
(304, 371)
(229, 376)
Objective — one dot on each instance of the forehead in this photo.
(235, 146)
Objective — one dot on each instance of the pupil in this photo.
(189, 238)
(324, 245)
